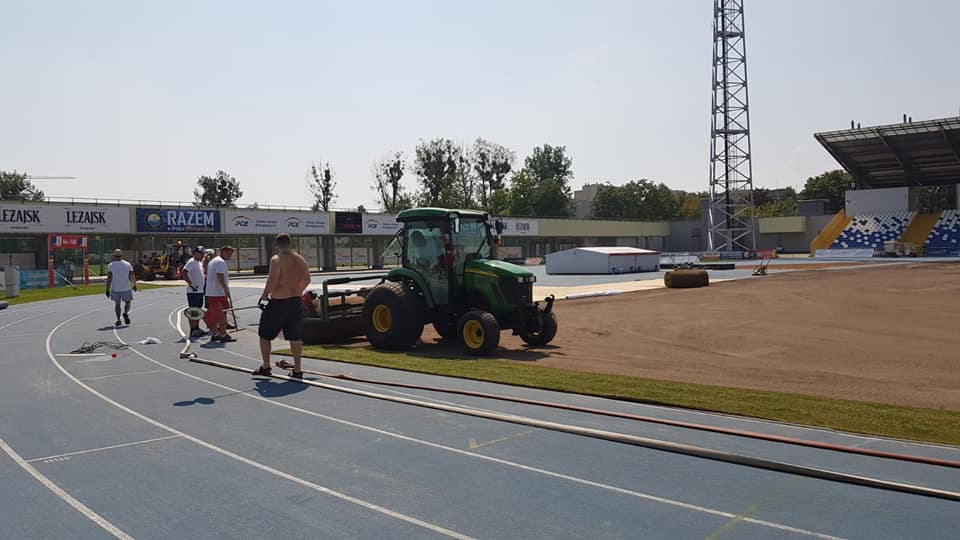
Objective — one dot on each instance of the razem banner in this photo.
(380, 224)
(64, 219)
(265, 222)
(178, 220)
(520, 227)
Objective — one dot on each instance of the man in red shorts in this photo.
(289, 276)
(218, 296)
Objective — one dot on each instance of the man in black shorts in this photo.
(192, 272)
(289, 276)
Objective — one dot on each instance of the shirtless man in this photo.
(288, 277)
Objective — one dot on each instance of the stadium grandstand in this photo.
(906, 192)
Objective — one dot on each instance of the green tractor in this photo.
(450, 277)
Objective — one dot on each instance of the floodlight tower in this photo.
(731, 171)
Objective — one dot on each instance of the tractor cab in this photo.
(450, 277)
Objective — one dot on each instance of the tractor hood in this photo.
(497, 268)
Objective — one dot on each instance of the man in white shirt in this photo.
(120, 281)
(192, 273)
(218, 296)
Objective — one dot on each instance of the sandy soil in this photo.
(888, 334)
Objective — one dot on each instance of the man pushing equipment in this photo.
(193, 274)
(288, 277)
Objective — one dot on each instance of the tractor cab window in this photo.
(471, 241)
(425, 254)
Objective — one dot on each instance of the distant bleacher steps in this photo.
(920, 228)
(830, 232)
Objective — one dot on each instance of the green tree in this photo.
(436, 166)
(830, 185)
(641, 199)
(690, 205)
(387, 176)
(774, 202)
(465, 183)
(322, 186)
(542, 187)
(492, 164)
(499, 202)
(220, 191)
(17, 186)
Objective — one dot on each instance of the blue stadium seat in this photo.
(873, 230)
(945, 236)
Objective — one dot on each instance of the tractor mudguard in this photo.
(399, 274)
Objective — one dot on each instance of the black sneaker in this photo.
(214, 338)
(227, 338)
(126, 318)
(117, 323)
(296, 375)
(261, 372)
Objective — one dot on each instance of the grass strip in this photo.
(36, 295)
(879, 419)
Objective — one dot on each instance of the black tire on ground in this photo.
(393, 316)
(545, 335)
(479, 332)
(447, 328)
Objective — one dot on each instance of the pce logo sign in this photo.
(294, 223)
(241, 221)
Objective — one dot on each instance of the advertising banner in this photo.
(265, 222)
(380, 224)
(64, 219)
(843, 253)
(520, 227)
(177, 220)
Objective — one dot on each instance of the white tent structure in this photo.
(603, 260)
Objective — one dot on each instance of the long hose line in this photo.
(679, 448)
(650, 419)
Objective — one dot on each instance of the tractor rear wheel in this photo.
(546, 334)
(479, 332)
(393, 316)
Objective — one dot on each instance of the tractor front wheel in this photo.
(479, 332)
(393, 316)
(548, 331)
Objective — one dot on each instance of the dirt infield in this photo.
(888, 334)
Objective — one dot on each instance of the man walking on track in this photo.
(121, 282)
(192, 273)
(288, 277)
(218, 296)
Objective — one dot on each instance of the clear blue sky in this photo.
(137, 99)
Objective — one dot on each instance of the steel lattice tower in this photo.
(731, 171)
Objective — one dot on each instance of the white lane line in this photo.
(210, 446)
(545, 472)
(18, 321)
(82, 355)
(79, 506)
(102, 377)
(102, 448)
(94, 360)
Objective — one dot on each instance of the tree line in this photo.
(485, 176)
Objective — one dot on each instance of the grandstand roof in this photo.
(925, 153)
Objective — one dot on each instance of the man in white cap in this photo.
(121, 281)
(193, 274)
